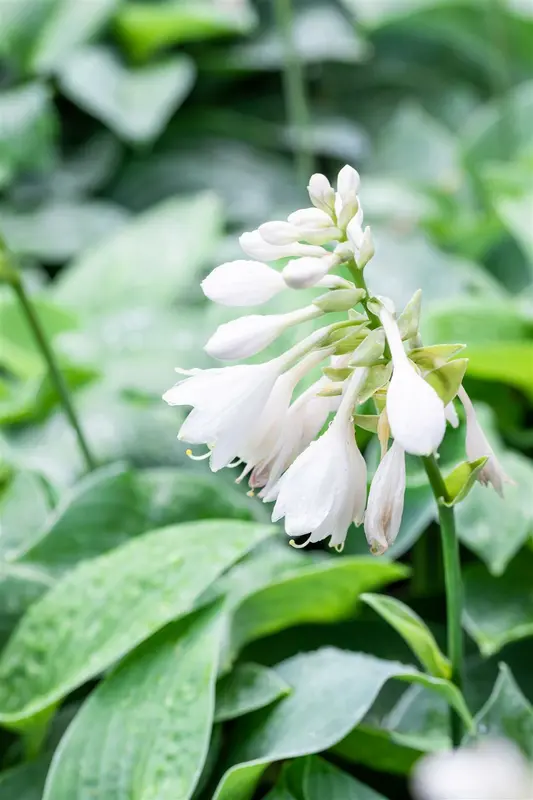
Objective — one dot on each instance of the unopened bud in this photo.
(339, 299)
(279, 232)
(321, 193)
(367, 249)
(301, 273)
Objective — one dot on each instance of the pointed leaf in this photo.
(332, 691)
(25, 782)
(105, 607)
(409, 319)
(319, 780)
(157, 709)
(428, 358)
(413, 630)
(369, 422)
(499, 610)
(460, 480)
(370, 350)
(325, 592)
(507, 714)
(447, 379)
(247, 688)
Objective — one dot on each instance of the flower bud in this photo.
(385, 501)
(255, 246)
(304, 272)
(321, 193)
(310, 218)
(347, 209)
(366, 250)
(248, 335)
(242, 283)
(339, 299)
(278, 232)
(348, 182)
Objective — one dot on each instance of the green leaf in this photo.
(409, 319)
(447, 379)
(368, 422)
(157, 708)
(505, 362)
(495, 528)
(332, 691)
(102, 609)
(507, 714)
(378, 749)
(499, 610)
(24, 503)
(247, 688)
(112, 505)
(68, 24)
(126, 270)
(318, 779)
(19, 352)
(20, 587)
(147, 27)
(462, 478)
(413, 630)
(60, 230)
(325, 592)
(135, 103)
(28, 128)
(516, 215)
(25, 782)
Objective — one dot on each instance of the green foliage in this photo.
(158, 638)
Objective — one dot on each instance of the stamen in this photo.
(234, 464)
(299, 546)
(191, 455)
(247, 468)
(251, 493)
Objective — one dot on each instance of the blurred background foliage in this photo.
(138, 138)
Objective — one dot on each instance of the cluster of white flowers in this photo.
(246, 414)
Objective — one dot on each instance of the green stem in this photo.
(295, 93)
(359, 280)
(11, 275)
(453, 581)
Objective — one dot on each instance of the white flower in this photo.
(451, 415)
(325, 488)
(279, 232)
(415, 411)
(303, 422)
(255, 246)
(242, 283)
(248, 335)
(226, 405)
(361, 241)
(489, 770)
(385, 501)
(304, 272)
(314, 225)
(346, 200)
(270, 425)
(477, 446)
(321, 193)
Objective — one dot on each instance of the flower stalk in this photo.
(11, 275)
(453, 583)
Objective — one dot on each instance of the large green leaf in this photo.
(157, 709)
(114, 504)
(495, 528)
(147, 27)
(507, 714)
(516, 215)
(24, 504)
(19, 352)
(317, 779)
(28, 127)
(332, 691)
(325, 592)
(60, 230)
(25, 782)
(508, 362)
(20, 586)
(148, 262)
(378, 749)
(247, 688)
(135, 103)
(499, 610)
(105, 607)
(414, 631)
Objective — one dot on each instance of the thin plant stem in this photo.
(359, 280)
(294, 89)
(11, 275)
(453, 582)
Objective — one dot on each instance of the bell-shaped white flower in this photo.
(325, 488)
(226, 405)
(321, 193)
(248, 335)
(477, 446)
(242, 283)
(385, 501)
(269, 431)
(304, 421)
(414, 409)
(301, 273)
(488, 770)
(255, 246)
